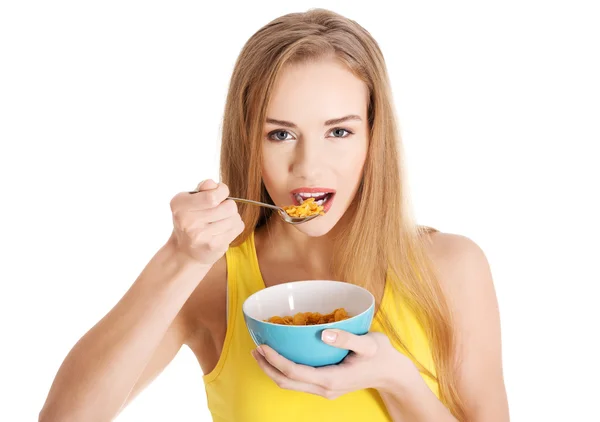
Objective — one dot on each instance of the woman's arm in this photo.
(146, 326)
(416, 404)
(466, 278)
(144, 331)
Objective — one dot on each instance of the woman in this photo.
(309, 113)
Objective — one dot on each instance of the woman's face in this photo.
(315, 139)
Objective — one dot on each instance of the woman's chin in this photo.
(320, 226)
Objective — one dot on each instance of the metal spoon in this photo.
(284, 215)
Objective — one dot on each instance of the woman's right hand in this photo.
(205, 223)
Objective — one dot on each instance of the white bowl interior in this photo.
(323, 296)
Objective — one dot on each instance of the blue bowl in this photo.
(302, 343)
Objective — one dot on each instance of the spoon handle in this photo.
(248, 201)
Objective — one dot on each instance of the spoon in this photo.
(282, 213)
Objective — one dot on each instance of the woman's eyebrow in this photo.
(330, 122)
(342, 119)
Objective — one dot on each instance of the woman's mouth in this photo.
(323, 197)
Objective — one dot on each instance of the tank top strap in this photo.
(243, 279)
(243, 273)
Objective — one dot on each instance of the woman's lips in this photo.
(312, 190)
(323, 196)
(328, 203)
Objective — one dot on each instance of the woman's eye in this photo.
(340, 133)
(279, 135)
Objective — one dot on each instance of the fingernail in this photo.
(329, 336)
(260, 350)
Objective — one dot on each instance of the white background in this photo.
(108, 109)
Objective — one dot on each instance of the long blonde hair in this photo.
(391, 245)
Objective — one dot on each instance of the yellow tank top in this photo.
(237, 390)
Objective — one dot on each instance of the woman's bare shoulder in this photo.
(463, 271)
(453, 253)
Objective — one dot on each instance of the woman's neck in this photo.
(279, 242)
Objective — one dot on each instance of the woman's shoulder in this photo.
(464, 274)
(448, 247)
(462, 266)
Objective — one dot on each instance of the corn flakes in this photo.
(310, 318)
(306, 209)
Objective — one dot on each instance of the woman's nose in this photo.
(308, 161)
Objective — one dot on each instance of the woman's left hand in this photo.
(372, 363)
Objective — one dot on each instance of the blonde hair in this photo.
(391, 245)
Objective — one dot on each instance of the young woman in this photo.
(309, 113)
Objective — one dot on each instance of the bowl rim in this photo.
(371, 306)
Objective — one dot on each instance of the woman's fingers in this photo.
(284, 382)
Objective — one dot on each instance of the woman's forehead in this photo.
(317, 90)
